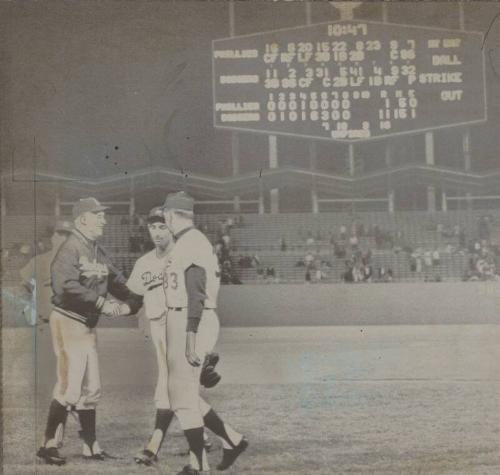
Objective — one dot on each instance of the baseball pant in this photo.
(158, 328)
(184, 379)
(75, 346)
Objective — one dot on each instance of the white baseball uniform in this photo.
(192, 248)
(146, 279)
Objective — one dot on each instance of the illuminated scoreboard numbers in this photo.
(349, 80)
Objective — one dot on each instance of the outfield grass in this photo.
(377, 399)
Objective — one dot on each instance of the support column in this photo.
(131, 209)
(261, 198)
(57, 205)
(385, 15)
(3, 198)
(390, 201)
(461, 15)
(467, 162)
(312, 165)
(431, 199)
(350, 160)
(235, 142)
(388, 163)
(430, 160)
(444, 202)
(273, 163)
(235, 154)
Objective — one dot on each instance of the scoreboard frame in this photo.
(361, 139)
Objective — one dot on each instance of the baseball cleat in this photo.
(188, 470)
(229, 456)
(95, 453)
(145, 457)
(50, 456)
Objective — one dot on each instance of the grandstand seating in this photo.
(261, 234)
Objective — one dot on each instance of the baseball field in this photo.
(352, 391)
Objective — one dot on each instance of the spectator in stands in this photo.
(353, 242)
(436, 258)
(332, 238)
(226, 240)
(245, 262)
(26, 251)
(309, 259)
(124, 220)
(255, 261)
(318, 274)
(340, 251)
(343, 232)
(385, 275)
(377, 234)
(428, 259)
(477, 247)
(270, 273)
(310, 239)
(462, 239)
(484, 228)
(367, 273)
(366, 257)
(348, 275)
(319, 237)
(225, 254)
(282, 244)
(413, 262)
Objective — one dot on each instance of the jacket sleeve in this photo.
(117, 286)
(196, 281)
(65, 278)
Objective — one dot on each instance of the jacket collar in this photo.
(84, 239)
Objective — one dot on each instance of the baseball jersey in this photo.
(36, 274)
(191, 248)
(146, 279)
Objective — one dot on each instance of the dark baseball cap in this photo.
(180, 200)
(63, 227)
(156, 215)
(86, 205)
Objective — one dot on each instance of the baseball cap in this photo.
(180, 200)
(156, 215)
(85, 205)
(63, 227)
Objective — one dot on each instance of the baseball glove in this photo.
(209, 377)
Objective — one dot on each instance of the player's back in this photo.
(193, 248)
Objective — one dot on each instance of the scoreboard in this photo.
(348, 80)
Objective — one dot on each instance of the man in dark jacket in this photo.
(81, 276)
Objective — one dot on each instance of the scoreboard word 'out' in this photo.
(348, 80)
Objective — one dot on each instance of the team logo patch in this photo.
(93, 268)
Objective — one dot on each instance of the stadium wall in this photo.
(325, 304)
(360, 304)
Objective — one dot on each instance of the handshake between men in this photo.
(112, 308)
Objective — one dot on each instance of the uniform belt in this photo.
(178, 309)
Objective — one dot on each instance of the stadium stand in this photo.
(256, 242)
